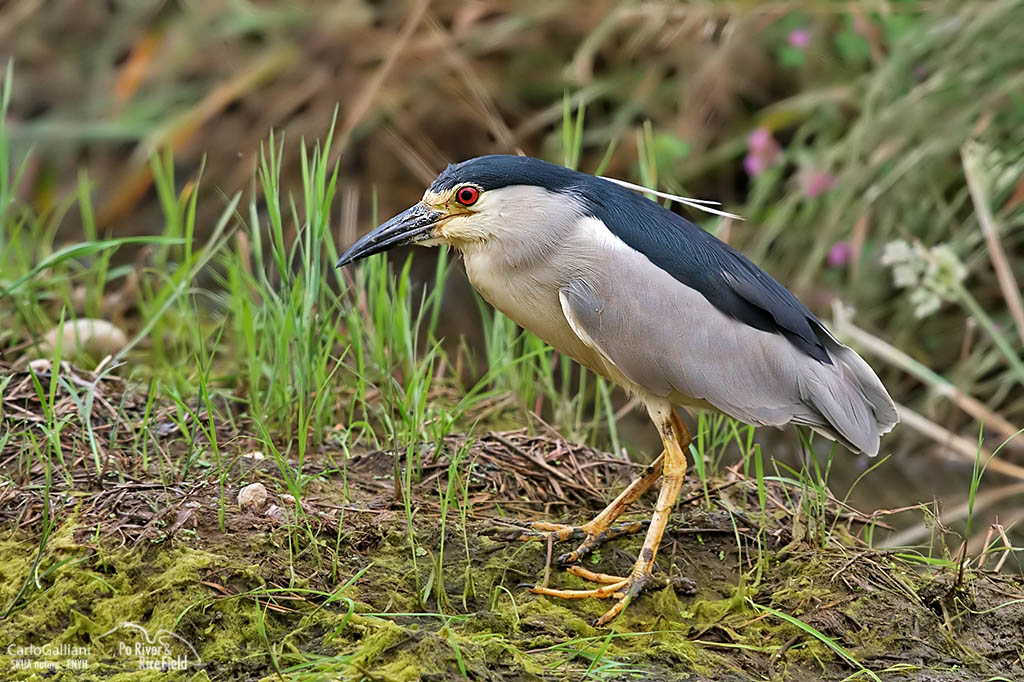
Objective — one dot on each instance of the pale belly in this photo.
(531, 301)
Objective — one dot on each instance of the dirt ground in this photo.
(260, 593)
(340, 572)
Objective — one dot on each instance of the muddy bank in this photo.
(348, 585)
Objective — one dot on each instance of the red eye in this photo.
(467, 196)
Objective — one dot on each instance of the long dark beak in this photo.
(408, 227)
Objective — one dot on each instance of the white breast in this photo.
(529, 296)
(528, 291)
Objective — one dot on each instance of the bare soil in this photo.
(352, 582)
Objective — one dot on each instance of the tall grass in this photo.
(297, 352)
(246, 328)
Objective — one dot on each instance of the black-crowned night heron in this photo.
(650, 301)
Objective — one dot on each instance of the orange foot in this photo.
(593, 535)
(623, 589)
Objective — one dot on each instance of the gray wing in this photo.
(668, 340)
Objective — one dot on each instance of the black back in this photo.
(725, 277)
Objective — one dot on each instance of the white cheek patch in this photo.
(464, 228)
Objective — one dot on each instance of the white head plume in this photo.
(699, 204)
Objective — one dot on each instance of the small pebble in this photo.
(98, 338)
(41, 366)
(277, 514)
(252, 496)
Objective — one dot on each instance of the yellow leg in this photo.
(599, 529)
(676, 439)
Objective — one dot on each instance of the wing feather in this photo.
(697, 259)
(658, 336)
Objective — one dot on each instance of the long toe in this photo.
(542, 530)
(611, 586)
(611, 590)
(592, 541)
(637, 584)
(624, 589)
(593, 535)
(595, 577)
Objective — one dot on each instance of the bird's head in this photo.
(478, 201)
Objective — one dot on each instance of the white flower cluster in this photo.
(933, 275)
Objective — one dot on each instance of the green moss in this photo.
(514, 636)
(84, 596)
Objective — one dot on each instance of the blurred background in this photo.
(875, 148)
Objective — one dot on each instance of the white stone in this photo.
(252, 496)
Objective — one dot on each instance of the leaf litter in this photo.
(344, 584)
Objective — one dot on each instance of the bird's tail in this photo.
(849, 402)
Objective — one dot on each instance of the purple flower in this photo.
(760, 139)
(764, 151)
(799, 38)
(814, 182)
(753, 164)
(839, 255)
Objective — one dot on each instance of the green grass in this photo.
(242, 329)
(268, 347)
(821, 637)
(254, 330)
